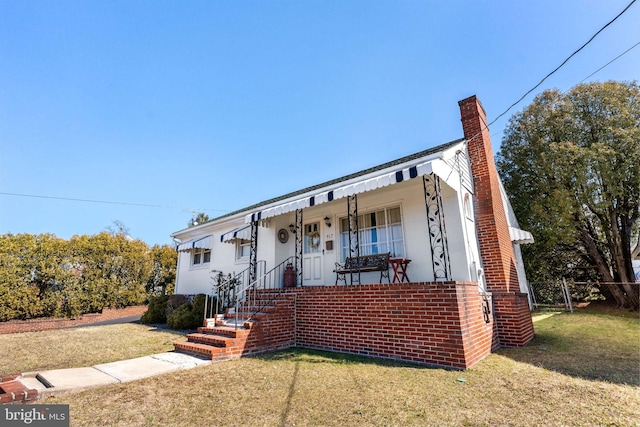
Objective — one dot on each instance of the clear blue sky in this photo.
(216, 105)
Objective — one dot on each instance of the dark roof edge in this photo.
(401, 160)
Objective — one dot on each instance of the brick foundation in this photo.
(276, 329)
(436, 324)
(513, 318)
(50, 323)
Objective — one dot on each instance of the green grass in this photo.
(594, 343)
(308, 388)
(581, 370)
(78, 347)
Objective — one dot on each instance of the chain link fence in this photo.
(563, 294)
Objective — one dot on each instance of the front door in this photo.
(312, 254)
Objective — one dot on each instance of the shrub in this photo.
(183, 318)
(188, 315)
(156, 311)
(175, 302)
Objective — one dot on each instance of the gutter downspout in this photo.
(177, 242)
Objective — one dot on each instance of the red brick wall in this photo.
(49, 323)
(437, 324)
(513, 318)
(275, 329)
(491, 220)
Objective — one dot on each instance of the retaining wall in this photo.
(50, 323)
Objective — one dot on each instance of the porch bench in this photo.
(363, 264)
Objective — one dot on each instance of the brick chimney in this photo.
(513, 318)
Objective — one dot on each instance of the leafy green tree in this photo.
(117, 228)
(18, 297)
(198, 218)
(43, 275)
(163, 275)
(115, 270)
(571, 164)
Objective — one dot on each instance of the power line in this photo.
(608, 63)
(107, 202)
(596, 71)
(563, 63)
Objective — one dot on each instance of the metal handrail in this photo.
(272, 279)
(243, 276)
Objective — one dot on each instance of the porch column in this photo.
(354, 238)
(437, 230)
(299, 243)
(253, 253)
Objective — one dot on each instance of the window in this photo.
(312, 238)
(200, 256)
(243, 249)
(379, 231)
(468, 209)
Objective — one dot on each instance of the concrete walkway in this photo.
(59, 381)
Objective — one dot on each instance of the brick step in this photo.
(227, 331)
(12, 390)
(267, 300)
(199, 349)
(246, 308)
(266, 307)
(209, 339)
(272, 301)
(245, 314)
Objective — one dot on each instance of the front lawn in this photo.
(581, 370)
(83, 346)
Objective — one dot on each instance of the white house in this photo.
(424, 209)
(417, 207)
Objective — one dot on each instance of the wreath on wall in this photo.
(283, 235)
(314, 240)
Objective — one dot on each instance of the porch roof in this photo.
(304, 193)
(372, 181)
(199, 243)
(239, 233)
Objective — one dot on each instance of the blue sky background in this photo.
(216, 105)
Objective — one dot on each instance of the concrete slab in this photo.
(33, 383)
(135, 369)
(59, 381)
(182, 360)
(74, 378)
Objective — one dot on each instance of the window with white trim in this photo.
(468, 209)
(200, 256)
(243, 249)
(379, 231)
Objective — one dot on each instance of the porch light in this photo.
(327, 221)
(292, 228)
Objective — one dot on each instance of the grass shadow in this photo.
(313, 356)
(593, 343)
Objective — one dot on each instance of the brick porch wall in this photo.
(513, 318)
(276, 330)
(50, 323)
(437, 324)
